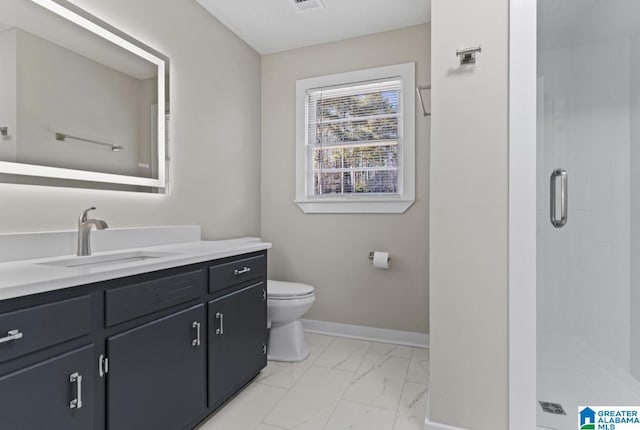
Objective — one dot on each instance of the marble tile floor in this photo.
(344, 384)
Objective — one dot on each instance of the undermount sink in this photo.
(107, 260)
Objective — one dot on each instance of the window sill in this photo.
(354, 206)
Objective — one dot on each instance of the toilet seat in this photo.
(285, 298)
(278, 290)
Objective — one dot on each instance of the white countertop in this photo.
(25, 277)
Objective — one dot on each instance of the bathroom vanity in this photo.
(152, 339)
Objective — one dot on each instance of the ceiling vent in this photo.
(307, 5)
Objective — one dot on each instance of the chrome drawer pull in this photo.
(77, 402)
(196, 341)
(11, 335)
(220, 316)
(242, 272)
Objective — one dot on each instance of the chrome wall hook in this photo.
(468, 55)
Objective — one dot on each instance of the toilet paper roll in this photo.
(381, 260)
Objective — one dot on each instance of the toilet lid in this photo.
(280, 289)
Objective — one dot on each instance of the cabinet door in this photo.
(157, 376)
(42, 396)
(237, 329)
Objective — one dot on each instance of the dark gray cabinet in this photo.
(139, 299)
(157, 373)
(54, 394)
(40, 327)
(155, 351)
(237, 350)
(237, 271)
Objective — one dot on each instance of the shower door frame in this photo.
(522, 213)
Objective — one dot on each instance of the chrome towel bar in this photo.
(419, 90)
(62, 137)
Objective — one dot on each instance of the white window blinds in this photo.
(353, 139)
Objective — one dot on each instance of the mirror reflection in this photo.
(71, 99)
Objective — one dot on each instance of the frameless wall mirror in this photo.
(81, 103)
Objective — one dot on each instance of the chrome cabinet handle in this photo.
(76, 379)
(103, 365)
(242, 272)
(196, 341)
(564, 198)
(12, 335)
(220, 316)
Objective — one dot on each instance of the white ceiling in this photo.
(276, 25)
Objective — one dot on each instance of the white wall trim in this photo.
(355, 207)
(429, 425)
(398, 337)
(522, 214)
(407, 178)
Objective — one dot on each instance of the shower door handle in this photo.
(564, 198)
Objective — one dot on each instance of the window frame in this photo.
(397, 203)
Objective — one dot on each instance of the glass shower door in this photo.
(588, 236)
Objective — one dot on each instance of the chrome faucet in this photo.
(84, 231)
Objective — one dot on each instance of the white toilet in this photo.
(287, 302)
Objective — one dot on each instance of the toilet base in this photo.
(287, 342)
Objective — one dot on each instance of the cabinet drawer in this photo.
(39, 327)
(133, 301)
(235, 272)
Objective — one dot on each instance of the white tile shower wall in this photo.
(635, 205)
(584, 268)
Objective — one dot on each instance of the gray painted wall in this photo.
(215, 132)
(98, 102)
(329, 251)
(469, 217)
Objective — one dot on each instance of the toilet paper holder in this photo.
(371, 255)
(380, 259)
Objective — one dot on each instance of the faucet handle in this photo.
(83, 216)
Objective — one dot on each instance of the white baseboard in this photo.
(408, 338)
(429, 425)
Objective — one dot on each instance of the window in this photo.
(356, 141)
